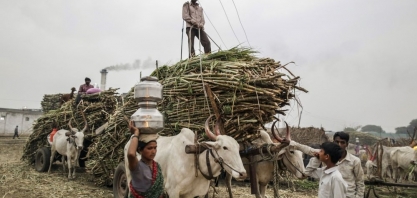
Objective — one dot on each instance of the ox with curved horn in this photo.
(68, 143)
(74, 130)
(291, 159)
(222, 152)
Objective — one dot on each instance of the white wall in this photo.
(10, 118)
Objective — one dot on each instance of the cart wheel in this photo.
(42, 159)
(120, 185)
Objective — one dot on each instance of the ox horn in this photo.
(217, 127)
(276, 136)
(209, 134)
(85, 121)
(288, 136)
(69, 124)
(71, 128)
(370, 156)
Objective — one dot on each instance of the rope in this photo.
(269, 156)
(241, 23)
(276, 180)
(229, 21)
(213, 26)
(215, 30)
(201, 73)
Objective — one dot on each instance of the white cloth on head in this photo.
(148, 137)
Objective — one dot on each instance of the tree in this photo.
(401, 130)
(410, 128)
(413, 124)
(350, 129)
(372, 128)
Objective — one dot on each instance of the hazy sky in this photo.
(357, 58)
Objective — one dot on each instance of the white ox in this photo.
(178, 168)
(68, 143)
(403, 159)
(386, 169)
(387, 161)
(291, 159)
(370, 164)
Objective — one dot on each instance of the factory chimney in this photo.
(103, 79)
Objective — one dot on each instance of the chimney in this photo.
(103, 79)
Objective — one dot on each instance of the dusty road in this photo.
(20, 180)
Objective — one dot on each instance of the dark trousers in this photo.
(15, 135)
(205, 42)
(77, 99)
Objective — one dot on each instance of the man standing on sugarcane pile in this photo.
(83, 89)
(192, 14)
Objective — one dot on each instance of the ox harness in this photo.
(281, 164)
(219, 160)
(275, 157)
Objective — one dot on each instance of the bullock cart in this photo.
(377, 169)
(374, 182)
(94, 111)
(65, 145)
(243, 92)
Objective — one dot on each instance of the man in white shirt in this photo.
(349, 165)
(331, 184)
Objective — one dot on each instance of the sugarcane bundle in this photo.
(97, 108)
(50, 102)
(248, 92)
(245, 91)
(106, 151)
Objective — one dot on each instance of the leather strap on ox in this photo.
(218, 160)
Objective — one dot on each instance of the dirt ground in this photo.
(20, 180)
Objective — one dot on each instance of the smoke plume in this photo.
(137, 64)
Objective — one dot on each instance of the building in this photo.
(24, 118)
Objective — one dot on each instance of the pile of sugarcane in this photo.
(245, 91)
(97, 108)
(106, 151)
(50, 102)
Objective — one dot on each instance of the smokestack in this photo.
(103, 79)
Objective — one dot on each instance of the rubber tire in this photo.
(42, 159)
(120, 186)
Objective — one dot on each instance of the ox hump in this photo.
(187, 133)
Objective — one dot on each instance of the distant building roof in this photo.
(25, 111)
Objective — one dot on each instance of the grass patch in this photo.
(306, 185)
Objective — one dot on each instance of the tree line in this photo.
(378, 129)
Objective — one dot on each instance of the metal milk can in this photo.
(147, 118)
